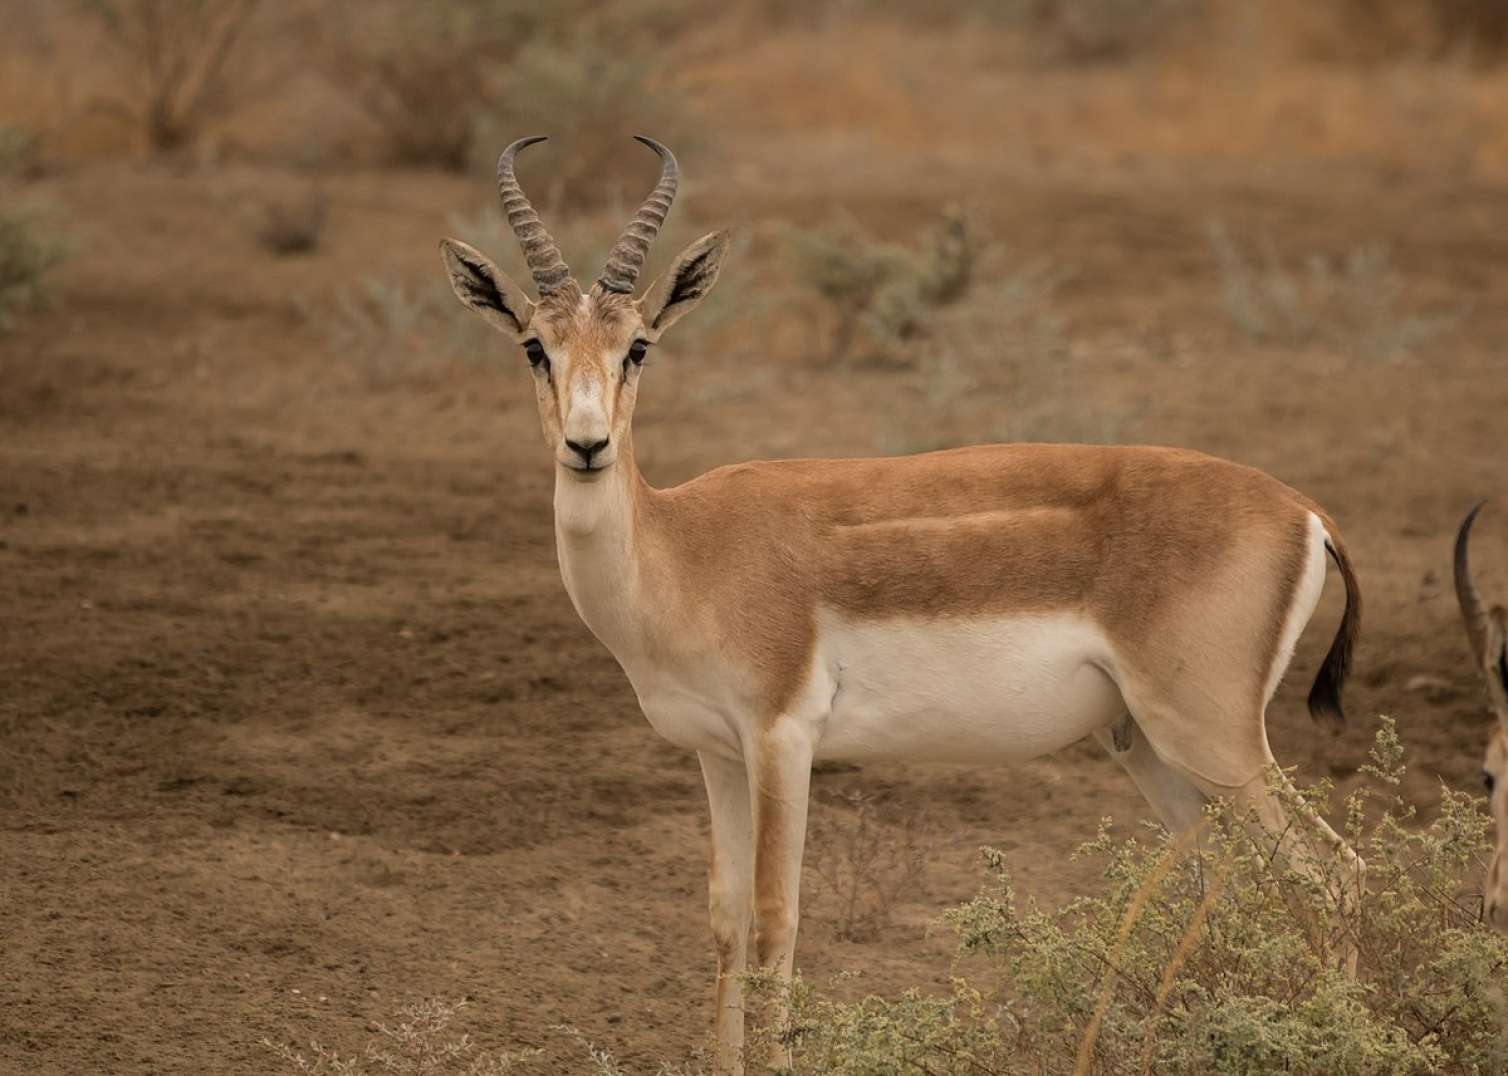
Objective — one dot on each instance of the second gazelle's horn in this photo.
(628, 254)
(1473, 612)
(548, 268)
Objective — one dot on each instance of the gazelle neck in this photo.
(595, 540)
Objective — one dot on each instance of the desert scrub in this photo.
(418, 1043)
(864, 857)
(447, 85)
(1209, 957)
(1355, 302)
(29, 249)
(891, 291)
(391, 328)
(179, 55)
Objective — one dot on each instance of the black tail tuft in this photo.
(1324, 696)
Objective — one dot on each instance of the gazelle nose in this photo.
(586, 452)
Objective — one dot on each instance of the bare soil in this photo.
(297, 722)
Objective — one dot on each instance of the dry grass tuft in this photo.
(866, 857)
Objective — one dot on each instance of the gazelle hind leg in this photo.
(1177, 800)
(1274, 815)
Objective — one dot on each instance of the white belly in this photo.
(964, 689)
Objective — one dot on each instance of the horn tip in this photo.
(658, 147)
(1471, 517)
(511, 150)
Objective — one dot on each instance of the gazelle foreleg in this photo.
(730, 893)
(780, 770)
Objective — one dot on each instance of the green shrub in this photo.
(1209, 959)
(29, 250)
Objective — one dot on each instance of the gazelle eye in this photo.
(536, 353)
(635, 355)
(1488, 782)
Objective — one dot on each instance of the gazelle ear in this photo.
(687, 281)
(485, 288)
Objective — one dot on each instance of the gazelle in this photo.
(992, 602)
(1487, 630)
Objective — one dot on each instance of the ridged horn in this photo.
(548, 268)
(1473, 612)
(628, 254)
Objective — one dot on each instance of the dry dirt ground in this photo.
(299, 724)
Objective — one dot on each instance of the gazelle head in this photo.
(585, 350)
(1488, 631)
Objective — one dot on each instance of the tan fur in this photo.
(751, 551)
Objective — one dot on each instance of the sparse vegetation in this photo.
(179, 53)
(426, 73)
(865, 857)
(1353, 303)
(30, 248)
(294, 224)
(889, 290)
(1097, 31)
(19, 151)
(449, 84)
(592, 93)
(419, 1043)
(1211, 958)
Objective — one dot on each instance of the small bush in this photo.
(293, 225)
(890, 291)
(20, 151)
(390, 328)
(1351, 303)
(416, 1045)
(448, 85)
(29, 250)
(865, 859)
(179, 52)
(1211, 959)
(424, 73)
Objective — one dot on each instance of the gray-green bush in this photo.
(891, 291)
(1218, 961)
(1354, 303)
(30, 248)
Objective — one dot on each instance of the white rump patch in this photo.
(1306, 596)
